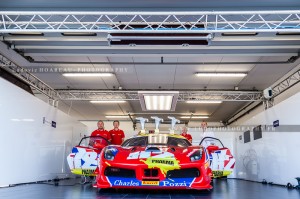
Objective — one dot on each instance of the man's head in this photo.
(184, 130)
(100, 124)
(203, 125)
(116, 124)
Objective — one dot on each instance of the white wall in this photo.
(30, 150)
(275, 157)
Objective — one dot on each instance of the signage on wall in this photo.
(276, 123)
(53, 124)
(50, 123)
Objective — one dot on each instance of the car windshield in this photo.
(211, 141)
(159, 139)
(92, 140)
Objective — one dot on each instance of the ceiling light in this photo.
(204, 101)
(239, 34)
(87, 74)
(194, 117)
(27, 34)
(221, 74)
(158, 100)
(107, 101)
(79, 34)
(288, 33)
(117, 116)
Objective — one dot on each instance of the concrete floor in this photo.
(223, 189)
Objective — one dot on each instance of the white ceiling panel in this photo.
(200, 59)
(155, 75)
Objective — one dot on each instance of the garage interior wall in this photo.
(30, 149)
(274, 157)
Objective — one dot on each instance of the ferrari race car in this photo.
(84, 157)
(221, 160)
(154, 161)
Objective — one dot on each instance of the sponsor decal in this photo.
(217, 173)
(153, 183)
(167, 183)
(114, 181)
(164, 164)
(88, 171)
(178, 182)
(85, 172)
(147, 154)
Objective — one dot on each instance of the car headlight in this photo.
(110, 153)
(196, 156)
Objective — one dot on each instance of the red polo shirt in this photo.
(103, 133)
(117, 136)
(187, 136)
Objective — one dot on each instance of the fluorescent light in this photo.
(28, 33)
(107, 101)
(239, 33)
(15, 120)
(288, 33)
(28, 120)
(194, 117)
(221, 74)
(203, 101)
(158, 100)
(87, 74)
(117, 116)
(24, 120)
(79, 34)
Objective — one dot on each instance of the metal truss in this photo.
(26, 76)
(183, 95)
(286, 83)
(187, 22)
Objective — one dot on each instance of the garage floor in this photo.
(225, 189)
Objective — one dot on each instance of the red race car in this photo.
(154, 161)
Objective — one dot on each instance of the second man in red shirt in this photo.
(117, 135)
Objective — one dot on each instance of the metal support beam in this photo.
(144, 22)
(286, 83)
(268, 103)
(24, 75)
(131, 95)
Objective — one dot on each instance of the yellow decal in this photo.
(85, 172)
(206, 165)
(164, 164)
(153, 183)
(217, 173)
(107, 163)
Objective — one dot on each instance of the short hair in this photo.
(100, 121)
(116, 121)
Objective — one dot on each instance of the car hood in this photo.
(157, 152)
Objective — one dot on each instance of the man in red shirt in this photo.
(117, 134)
(186, 135)
(101, 131)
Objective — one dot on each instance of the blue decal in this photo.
(124, 181)
(82, 162)
(133, 182)
(93, 165)
(74, 150)
(113, 150)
